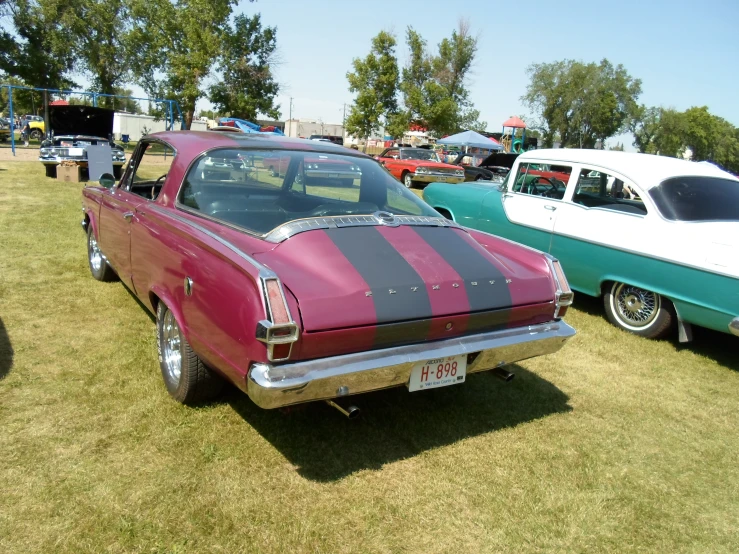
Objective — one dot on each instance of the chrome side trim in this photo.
(287, 230)
(734, 326)
(264, 272)
(273, 386)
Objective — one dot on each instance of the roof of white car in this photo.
(646, 170)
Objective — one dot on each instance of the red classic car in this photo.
(296, 292)
(419, 165)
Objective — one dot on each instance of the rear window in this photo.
(697, 199)
(259, 190)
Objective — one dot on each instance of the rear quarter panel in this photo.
(462, 202)
(219, 318)
(91, 200)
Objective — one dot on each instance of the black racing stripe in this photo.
(384, 270)
(473, 267)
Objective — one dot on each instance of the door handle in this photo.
(550, 208)
(128, 216)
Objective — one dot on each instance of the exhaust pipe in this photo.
(352, 412)
(501, 373)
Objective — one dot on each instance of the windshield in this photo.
(260, 190)
(697, 199)
(418, 154)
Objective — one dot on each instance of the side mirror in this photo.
(107, 181)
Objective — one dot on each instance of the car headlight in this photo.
(422, 169)
(44, 151)
(459, 173)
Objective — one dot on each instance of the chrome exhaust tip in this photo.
(351, 412)
(501, 373)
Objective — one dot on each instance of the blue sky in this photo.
(685, 53)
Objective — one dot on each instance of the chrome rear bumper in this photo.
(273, 386)
(734, 326)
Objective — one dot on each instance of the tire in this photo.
(187, 378)
(99, 267)
(51, 171)
(407, 181)
(478, 177)
(36, 134)
(117, 172)
(638, 311)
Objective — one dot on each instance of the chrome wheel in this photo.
(171, 351)
(407, 181)
(635, 308)
(96, 257)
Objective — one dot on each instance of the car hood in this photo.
(81, 120)
(357, 276)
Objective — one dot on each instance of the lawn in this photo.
(614, 444)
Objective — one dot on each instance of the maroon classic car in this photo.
(419, 165)
(297, 291)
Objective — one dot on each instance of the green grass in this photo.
(613, 444)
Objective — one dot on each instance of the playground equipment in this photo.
(170, 105)
(509, 140)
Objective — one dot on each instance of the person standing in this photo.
(26, 133)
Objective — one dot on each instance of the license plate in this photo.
(76, 151)
(333, 175)
(438, 372)
(442, 179)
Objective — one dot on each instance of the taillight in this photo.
(563, 296)
(278, 331)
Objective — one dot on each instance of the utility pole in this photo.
(343, 124)
(291, 118)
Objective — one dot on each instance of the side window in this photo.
(149, 167)
(598, 189)
(394, 153)
(542, 180)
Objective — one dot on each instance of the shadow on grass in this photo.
(325, 446)
(152, 317)
(720, 347)
(6, 352)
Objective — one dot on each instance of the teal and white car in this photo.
(657, 238)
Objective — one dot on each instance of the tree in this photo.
(247, 86)
(37, 52)
(375, 82)
(434, 88)
(177, 46)
(644, 124)
(583, 103)
(99, 32)
(669, 136)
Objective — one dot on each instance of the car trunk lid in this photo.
(372, 275)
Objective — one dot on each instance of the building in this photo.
(306, 127)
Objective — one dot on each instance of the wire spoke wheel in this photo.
(635, 307)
